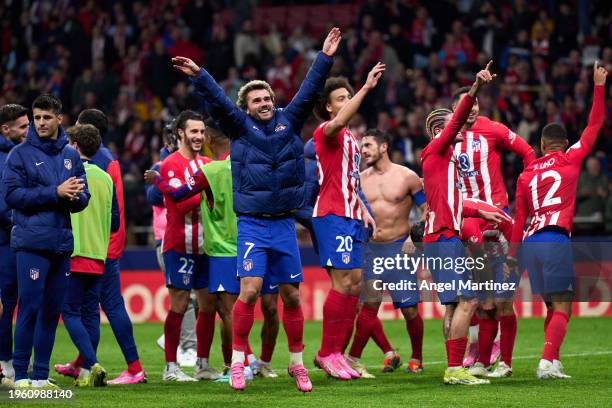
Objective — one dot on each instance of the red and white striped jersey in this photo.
(338, 160)
(441, 179)
(479, 158)
(183, 232)
(546, 190)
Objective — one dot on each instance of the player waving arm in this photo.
(459, 117)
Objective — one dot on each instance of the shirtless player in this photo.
(391, 190)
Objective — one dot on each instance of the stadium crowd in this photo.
(115, 55)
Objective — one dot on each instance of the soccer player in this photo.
(479, 155)
(268, 187)
(45, 182)
(183, 253)
(337, 216)
(91, 229)
(391, 190)
(546, 192)
(186, 355)
(442, 225)
(109, 295)
(13, 129)
(491, 240)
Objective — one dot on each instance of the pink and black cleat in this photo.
(472, 355)
(300, 374)
(329, 365)
(341, 361)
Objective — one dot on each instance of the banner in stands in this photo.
(146, 297)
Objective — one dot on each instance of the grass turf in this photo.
(586, 351)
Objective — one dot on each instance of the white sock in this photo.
(295, 358)
(266, 363)
(171, 365)
(84, 372)
(202, 362)
(237, 357)
(451, 369)
(473, 334)
(38, 383)
(251, 358)
(389, 354)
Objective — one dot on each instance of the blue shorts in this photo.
(453, 252)
(547, 256)
(497, 275)
(268, 249)
(339, 241)
(401, 275)
(222, 276)
(186, 271)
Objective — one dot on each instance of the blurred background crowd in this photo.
(115, 55)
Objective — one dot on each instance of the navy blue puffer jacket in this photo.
(267, 157)
(33, 171)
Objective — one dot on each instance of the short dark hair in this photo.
(94, 117)
(378, 135)
(180, 122)
(330, 86)
(458, 92)
(554, 132)
(212, 130)
(87, 137)
(48, 102)
(11, 112)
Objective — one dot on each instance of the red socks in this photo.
(172, 335)
(555, 333)
(487, 331)
(365, 323)
(379, 337)
(293, 322)
(349, 313)
(134, 367)
(205, 331)
(415, 331)
(78, 361)
(243, 316)
(507, 328)
(332, 322)
(455, 350)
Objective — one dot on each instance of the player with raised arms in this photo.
(267, 160)
(479, 155)
(337, 216)
(546, 192)
(443, 224)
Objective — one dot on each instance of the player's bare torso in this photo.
(389, 195)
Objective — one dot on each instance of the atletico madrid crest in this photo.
(247, 264)
(34, 273)
(186, 279)
(346, 258)
(68, 164)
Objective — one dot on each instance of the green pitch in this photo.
(586, 354)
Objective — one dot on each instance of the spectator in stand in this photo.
(592, 189)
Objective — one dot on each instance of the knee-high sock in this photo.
(332, 322)
(293, 322)
(507, 328)
(455, 350)
(349, 313)
(205, 331)
(243, 316)
(555, 333)
(366, 319)
(172, 335)
(486, 336)
(415, 331)
(379, 337)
